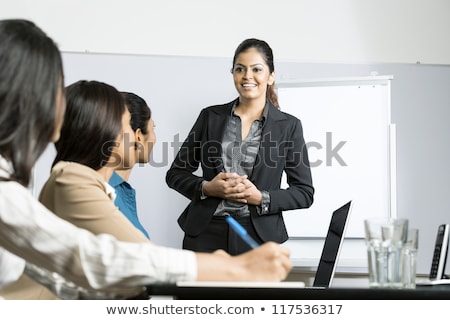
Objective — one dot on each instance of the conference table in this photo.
(198, 292)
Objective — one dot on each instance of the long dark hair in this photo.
(139, 110)
(265, 50)
(92, 122)
(30, 75)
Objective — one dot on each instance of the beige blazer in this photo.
(79, 195)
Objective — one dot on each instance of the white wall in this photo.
(400, 31)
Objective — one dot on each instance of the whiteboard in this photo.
(346, 127)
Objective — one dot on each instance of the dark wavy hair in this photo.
(92, 122)
(31, 73)
(139, 110)
(267, 54)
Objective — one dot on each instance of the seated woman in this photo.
(93, 142)
(144, 135)
(77, 189)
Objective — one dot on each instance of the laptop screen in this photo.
(332, 246)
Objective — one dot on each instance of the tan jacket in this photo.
(78, 194)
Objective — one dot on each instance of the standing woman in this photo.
(143, 126)
(243, 147)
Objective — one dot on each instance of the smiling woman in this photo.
(144, 138)
(243, 148)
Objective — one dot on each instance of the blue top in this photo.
(126, 201)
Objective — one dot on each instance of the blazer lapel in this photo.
(217, 123)
(217, 126)
(271, 134)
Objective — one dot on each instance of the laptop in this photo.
(332, 247)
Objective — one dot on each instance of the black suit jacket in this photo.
(282, 148)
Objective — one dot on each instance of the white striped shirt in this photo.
(99, 263)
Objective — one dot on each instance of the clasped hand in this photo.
(232, 186)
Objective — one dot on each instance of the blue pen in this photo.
(241, 232)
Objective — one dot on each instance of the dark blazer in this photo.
(282, 148)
